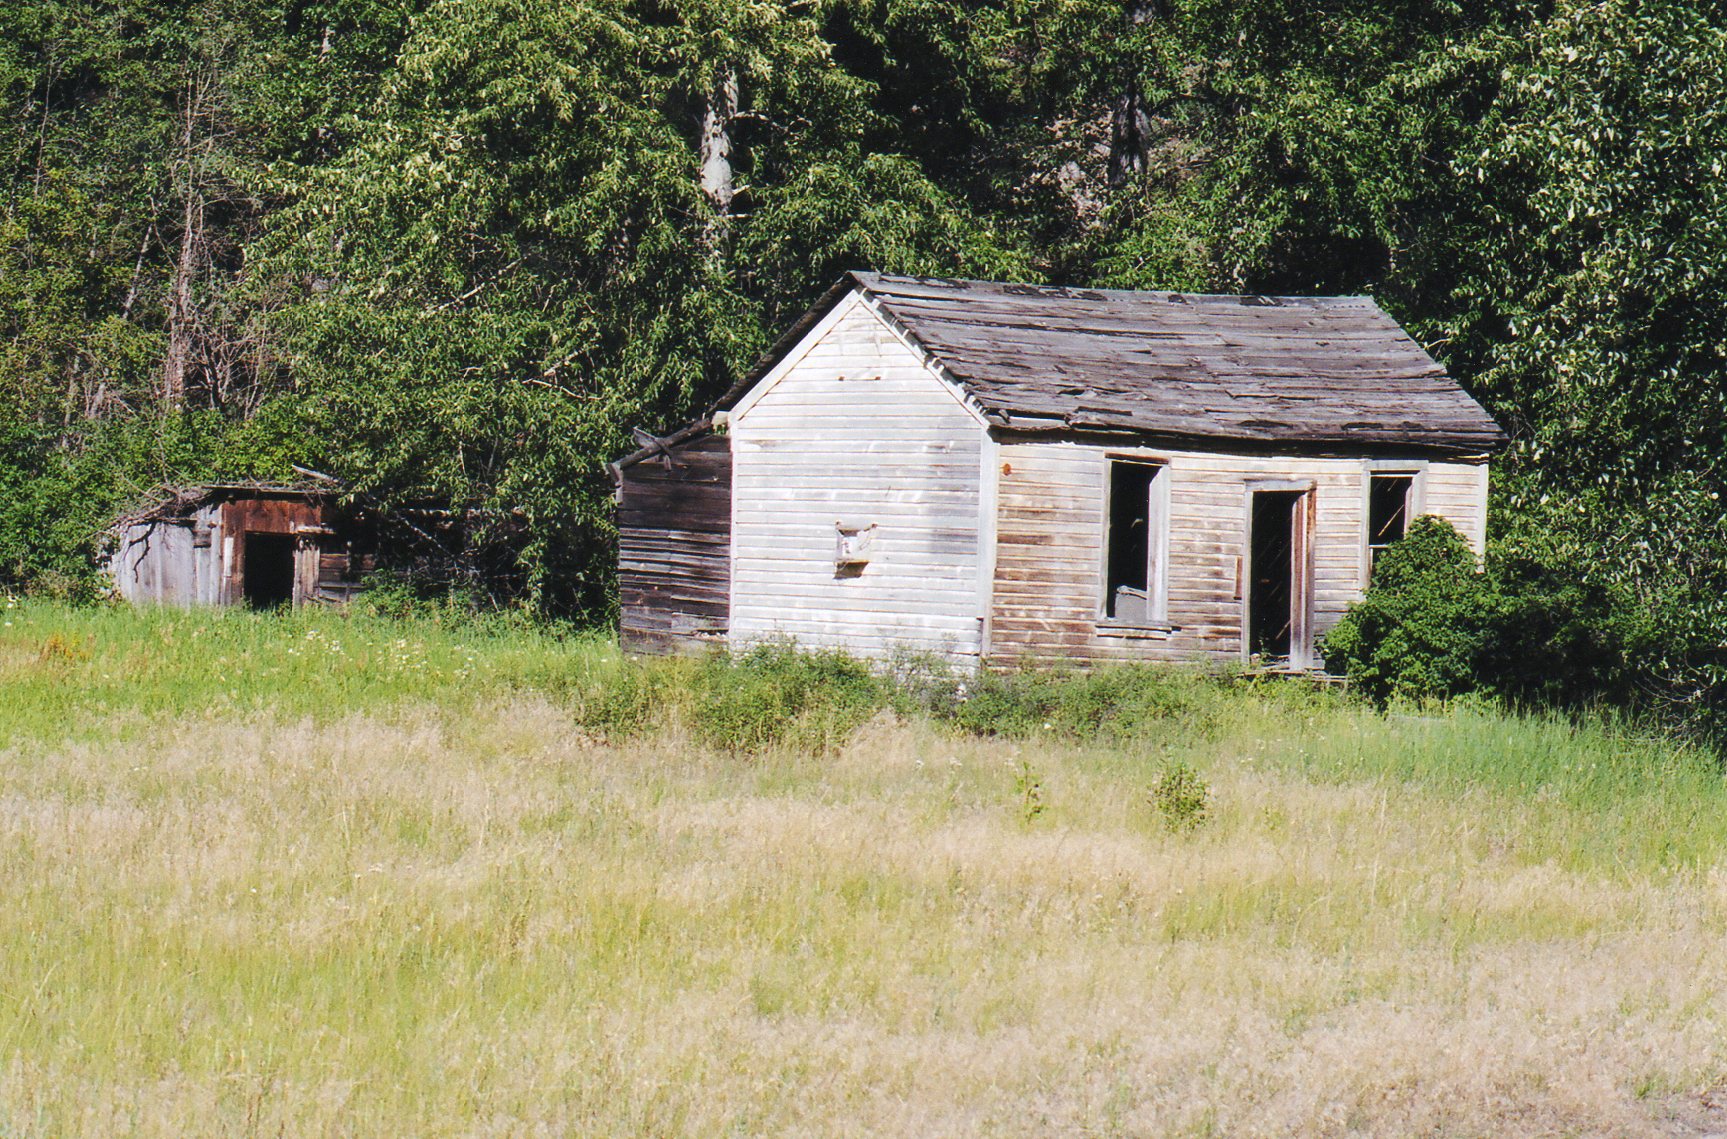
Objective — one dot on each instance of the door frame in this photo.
(1301, 648)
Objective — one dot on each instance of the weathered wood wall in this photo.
(1457, 492)
(857, 431)
(674, 534)
(199, 558)
(172, 562)
(1051, 533)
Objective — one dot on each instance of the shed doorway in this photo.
(267, 570)
(1278, 624)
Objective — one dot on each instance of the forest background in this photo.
(454, 252)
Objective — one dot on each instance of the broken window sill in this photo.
(1109, 628)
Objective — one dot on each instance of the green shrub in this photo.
(1181, 797)
(1424, 624)
(1114, 702)
(1553, 637)
(1531, 629)
(776, 694)
(623, 700)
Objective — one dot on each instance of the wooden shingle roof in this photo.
(1288, 371)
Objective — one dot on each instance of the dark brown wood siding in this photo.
(674, 546)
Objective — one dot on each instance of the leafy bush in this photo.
(1115, 701)
(621, 701)
(1181, 797)
(1422, 628)
(1530, 629)
(779, 695)
(776, 694)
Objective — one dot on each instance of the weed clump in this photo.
(1115, 702)
(775, 694)
(779, 695)
(1028, 789)
(1181, 797)
(621, 701)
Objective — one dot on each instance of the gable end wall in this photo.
(858, 431)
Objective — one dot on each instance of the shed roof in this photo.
(1321, 371)
(180, 501)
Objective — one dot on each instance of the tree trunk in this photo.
(717, 179)
(179, 304)
(1130, 122)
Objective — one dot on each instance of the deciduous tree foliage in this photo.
(454, 252)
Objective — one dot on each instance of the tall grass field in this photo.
(309, 875)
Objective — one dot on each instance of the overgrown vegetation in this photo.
(1527, 628)
(89, 673)
(1181, 797)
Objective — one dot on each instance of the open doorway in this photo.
(267, 570)
(1277, 610)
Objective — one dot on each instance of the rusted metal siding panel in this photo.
(274, 515)
(674, 535)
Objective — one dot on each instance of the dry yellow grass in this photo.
(487, 922)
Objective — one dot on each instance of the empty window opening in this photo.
(267, 570)
(1132, 592)
(1273, 599)
(1387, 513)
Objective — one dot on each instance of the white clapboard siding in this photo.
(857, 430)
(1457, 492)
(1050, 535)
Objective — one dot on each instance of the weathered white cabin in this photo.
(1013, 473)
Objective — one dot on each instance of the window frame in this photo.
(1157, 548)
(1414, 506)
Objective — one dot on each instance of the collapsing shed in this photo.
(243, 544)
(1002, 473)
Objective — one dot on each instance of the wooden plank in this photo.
(674, 547)
(901, 453)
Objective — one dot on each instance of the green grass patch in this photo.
(1609, 792)
(315, 874)
(73, 672)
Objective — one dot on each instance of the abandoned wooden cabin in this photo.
(1011, 473)
(242, 544)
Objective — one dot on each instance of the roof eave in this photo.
(1450, 446)
(780, 348)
